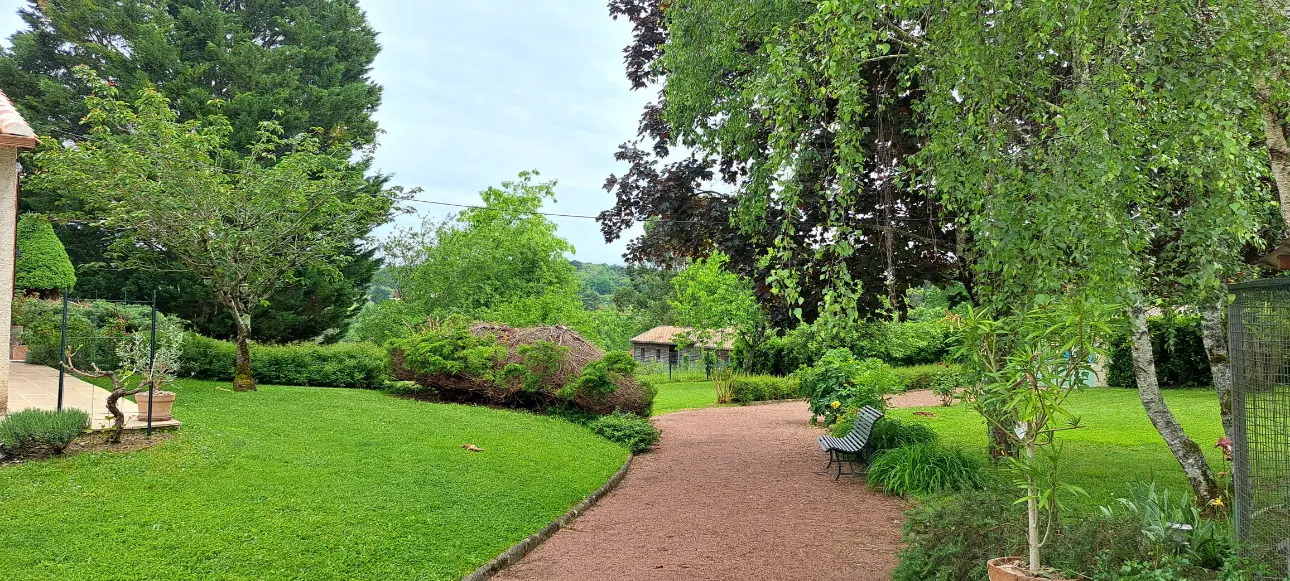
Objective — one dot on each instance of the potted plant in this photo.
(1028, 366)
(162, 402)
(142, 371)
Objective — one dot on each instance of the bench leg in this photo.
(832, 458)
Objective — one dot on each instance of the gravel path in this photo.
(729, 493)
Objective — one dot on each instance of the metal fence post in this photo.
(152, 359)
(62, 350)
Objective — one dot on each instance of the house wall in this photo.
(8, 230)
(663, 352)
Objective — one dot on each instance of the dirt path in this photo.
(730, 493)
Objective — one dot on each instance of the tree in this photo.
(714, 302)
(161, 184)
(842, 219)
(502, 261)
(303, 64)
(42, 265)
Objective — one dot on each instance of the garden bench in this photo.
(854, 448)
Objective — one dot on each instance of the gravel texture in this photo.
(729, 493)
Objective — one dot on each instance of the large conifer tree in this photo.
(302, 63)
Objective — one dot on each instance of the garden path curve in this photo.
(729, 493)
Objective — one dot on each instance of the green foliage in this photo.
(750, 388)
(358, 365)
(711, 299)
(889, 433)
(927, 468)
(94, 329)
(379, 322)
(451, 350)
(539, 363)
(34, 433)
(840, 377)
(1172, 525)
(1179, 352)
(42, 263)
(634, 432)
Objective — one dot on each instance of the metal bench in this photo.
(854, 448)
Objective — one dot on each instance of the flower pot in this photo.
(18, 353)
(162, 402)
(1012, 569)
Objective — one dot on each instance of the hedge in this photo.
(42, 263)
(1179, 351)
(361, 365)
(750, 388)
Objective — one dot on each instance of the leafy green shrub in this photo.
(1179, 351)
(891, 433)
(1174, 525)
(750, 388)
(360, 365)
(538, 366)
(407, 388)
(377, 323)
(42, 263)
(634, 432)
(914, 342)
(36, 433)
(839, 377)
(94, 329)
(927, 468)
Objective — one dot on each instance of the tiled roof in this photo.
(666, 335)
(12, 124)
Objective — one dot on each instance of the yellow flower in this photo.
(1216, 502)
(836, 404)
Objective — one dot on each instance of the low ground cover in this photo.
(1117, 447)
(300, 483)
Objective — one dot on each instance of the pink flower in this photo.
(1226, 444)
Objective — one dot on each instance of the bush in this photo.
(37, 433)
(1205, 542)
(890, 433)
(927, 468)
(850, 384)
(634, 432)
(746, 389)
(359, 365)
(377, 323)
(42, 263)
(94, 329)
(1179, 351)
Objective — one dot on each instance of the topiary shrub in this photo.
(38, 433)
(632, 431)
(926, 468)
(42, 265)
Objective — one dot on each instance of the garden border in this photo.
(519, 550)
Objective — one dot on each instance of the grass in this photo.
(1117, 448)
(683, 396)
(300, 483)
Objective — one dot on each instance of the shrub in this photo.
(890, 433)
(42, 263)
(927, 468)
(1203, 542)
(1179, 351)
(632, 431)
(379, 322)
(750, 388)
(359, 365)
(852, 384)
(94, 329)
(914, 342)
(37, 433)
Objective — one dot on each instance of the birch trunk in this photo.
(1215, 339)
(1032, 513)
(1188, 454)
(1278, 157)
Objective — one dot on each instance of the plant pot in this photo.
(1012, 569)
(18, 353)
(162, 402)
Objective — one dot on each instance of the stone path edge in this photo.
(518, 550)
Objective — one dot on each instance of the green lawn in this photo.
(300, 483)
(683, 396)
(1117, 448)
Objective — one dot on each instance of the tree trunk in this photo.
(1279, 158)
(1215, 339)
(1032, 513)
(242, 380)
(1189, 455)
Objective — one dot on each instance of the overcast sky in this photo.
(477, 91)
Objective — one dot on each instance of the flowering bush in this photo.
(840, 382)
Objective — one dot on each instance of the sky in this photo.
(475, 92)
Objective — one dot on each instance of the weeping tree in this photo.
(244, 224)
(1105, 150)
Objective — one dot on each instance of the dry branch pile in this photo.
(493, 388)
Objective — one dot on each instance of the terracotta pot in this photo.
(18, 353)
(1001, 571)
(162, 402)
